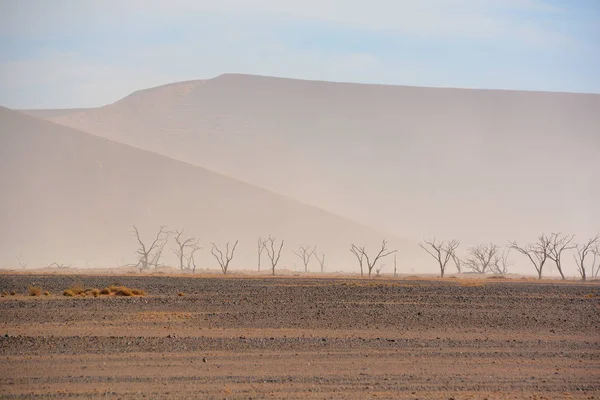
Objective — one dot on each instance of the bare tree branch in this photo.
(457, 262)
(22, 262)
(273, 254)
(59, 266)
(183, 247)
(500, 264)
(558, 244)
(582, 251)
(362, 256)
(223, 258)
(261, 245)
(378, 270)
(305, 253)
(149, 256)
(321, 261)
(190, 260)
(481, 257)
(537, 252)
(442, 251)
(359, 253)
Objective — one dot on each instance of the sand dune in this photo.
(474, 164)
(72, 197)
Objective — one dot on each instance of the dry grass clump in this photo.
(13, 293)
(46, 293)
(122, 291)
(180, 294)
(34, 290)
(590, 296)
(76, 289)
(113, 290)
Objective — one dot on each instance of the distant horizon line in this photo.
(225, 74)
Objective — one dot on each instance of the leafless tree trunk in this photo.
(537, 252)
(305, 253)
(150, 255)
(22, 262)
(182, 248)
(321, 261)
(155, 262)
(223, 258)
(191, 261)
(441, 251)
(362, 255)
(261, 246)
(359, 253)
(378, 270)
(500, 264)
(273, 254)
(558, 244)
(582, 251)
(597, 254)
(457, 262)
(481, 257)
(395, 265)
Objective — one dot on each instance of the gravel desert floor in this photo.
(235, 337)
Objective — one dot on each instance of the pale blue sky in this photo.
(82, 53)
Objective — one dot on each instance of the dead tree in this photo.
(582, 252)
(558, 244)
(500, 264)
(273, 253)
(597, 254)
(481, 257)
(305, 253)
(59, 266)
(184, 246)
(149, 255)
(22, 262)
(261, 246)
(191, 261)
(537, 252)
(359, 253)
(321, 261)
(442, 251)
(378, 270)
(223, 258)
(457, 262)
(362, 256)
(395, 265)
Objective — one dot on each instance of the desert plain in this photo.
(300, 337)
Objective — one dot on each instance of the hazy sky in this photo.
(80, 53)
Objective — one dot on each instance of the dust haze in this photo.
(321, 164)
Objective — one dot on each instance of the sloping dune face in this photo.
(72, 197)
(478, 165)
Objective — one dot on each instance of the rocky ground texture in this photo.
(235, 337)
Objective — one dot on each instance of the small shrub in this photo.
(138, 292)
(590, 295)
(46, 293)
(124, 291)
(68, 293)
(77, 289)
(34, 290)
(180, 294)
(13, 293)
(95, 292)
(105, 291)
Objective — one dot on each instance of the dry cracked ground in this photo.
(300, 338)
